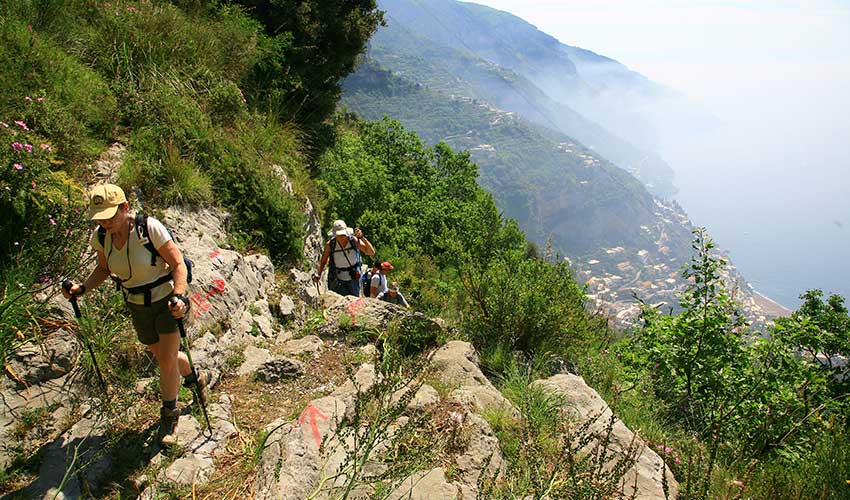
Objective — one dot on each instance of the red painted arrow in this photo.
(353, 308)
(313, 412)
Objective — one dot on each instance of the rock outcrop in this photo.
(581, 402)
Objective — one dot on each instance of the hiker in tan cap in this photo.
(343, 253)
(139, 254)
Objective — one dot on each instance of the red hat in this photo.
(386, 265)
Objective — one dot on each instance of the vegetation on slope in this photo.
(732, 417)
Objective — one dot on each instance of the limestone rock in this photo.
(255, 357)
(582, 402)
(290, 464)
(484, 397)
(286, 307)
(309, 345)
(277, 369)
(456, 363)
(33, 364)
(363, 312)
(429, 485)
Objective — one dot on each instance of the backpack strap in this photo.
(142, 232)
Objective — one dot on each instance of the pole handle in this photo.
(66, 285)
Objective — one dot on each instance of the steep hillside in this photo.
(451, 67)
(623, 101)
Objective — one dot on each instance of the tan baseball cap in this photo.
(104, 200)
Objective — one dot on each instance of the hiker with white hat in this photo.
(343, 253)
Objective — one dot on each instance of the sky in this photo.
(772, 183)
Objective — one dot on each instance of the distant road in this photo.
(771, 308)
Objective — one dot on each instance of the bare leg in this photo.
(172, 364)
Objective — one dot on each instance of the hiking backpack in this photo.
(366, 283)
(141, 227)
(353, 268)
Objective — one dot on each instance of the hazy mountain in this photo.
(595, 99)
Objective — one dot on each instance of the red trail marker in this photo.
(313, 412)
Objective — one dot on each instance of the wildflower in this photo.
(46, 147)
(68, 232)
(28, 99)
(28, 147)
(4, 125)
(52, 222)
(21, 124)
(18, 166)
(738, 483)
(33, 184)
(40, 99)
(677, 460)
(29, 28)
(17, 146)
(132, 9)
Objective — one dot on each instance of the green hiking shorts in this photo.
(153, 321)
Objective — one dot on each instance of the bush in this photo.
(527, 305)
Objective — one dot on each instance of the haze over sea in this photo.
(772, 181)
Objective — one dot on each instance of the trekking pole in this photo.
(66, 285)
(185, 341)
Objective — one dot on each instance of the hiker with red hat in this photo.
(379, 281)
(342, 251)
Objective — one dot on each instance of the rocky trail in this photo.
(303, 403)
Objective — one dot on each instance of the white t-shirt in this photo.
(379, 281)
(132, 262)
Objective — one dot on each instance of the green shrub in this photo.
(413, 335)
(527, 305)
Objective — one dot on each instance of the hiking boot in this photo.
(199, 384)
(167, 435)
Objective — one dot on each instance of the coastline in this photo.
(770, 307)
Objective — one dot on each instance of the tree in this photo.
(310, 46)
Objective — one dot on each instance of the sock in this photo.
(170, 404)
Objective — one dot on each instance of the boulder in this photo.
(359, 312)
(583, 403)
(286, 307)
(309, 345)
(456, 364)
(255, 357)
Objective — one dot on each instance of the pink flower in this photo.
(18, 166)
(17, 146)
(28, 147)
(52, 222)
(677, 460)
(67, 232)
(28, 99)
(132, 9)
(738, 483)
(21, 124)
(46, 147)
(40, 99)
(33, 184)
(29, 28)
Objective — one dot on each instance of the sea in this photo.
(778, 202)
